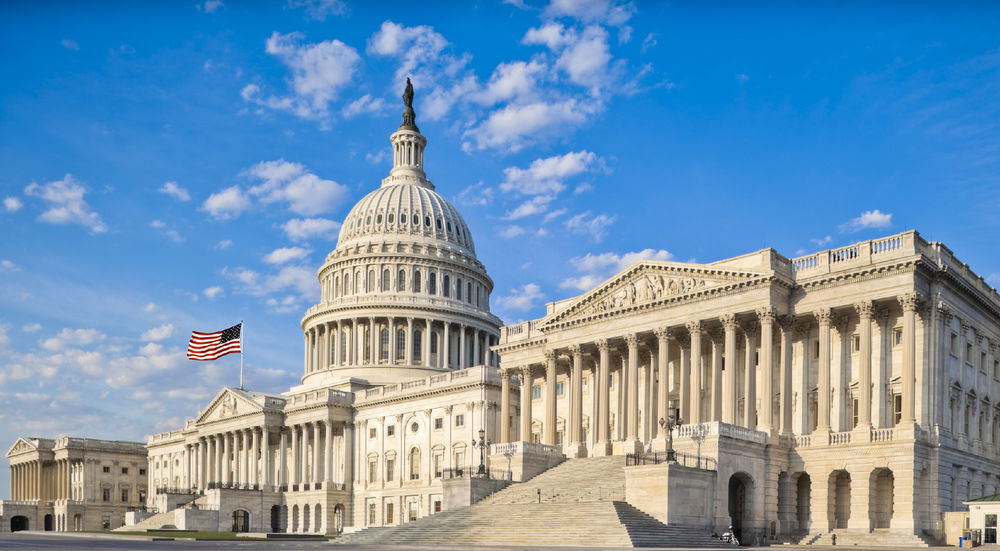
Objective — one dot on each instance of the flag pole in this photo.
(243, 341)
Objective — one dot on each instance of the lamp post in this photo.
(482, 444)
(672, 420)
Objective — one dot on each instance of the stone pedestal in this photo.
(602, 449)
(672, 493)
(525, 459)
(633, 446)
(462, 492)
(575, 451)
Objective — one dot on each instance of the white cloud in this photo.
(299, 279)
(175, 191)
(553, 215)
(289, 303)
(70, 44)
(511, 231)
(8, 266)
(285, 255)
(150, 307)
(536, 205)
(320, 9)
(73, 337)
(12, 204)
(300, 229)
(522, 299)
(319, 72)
(587, 224)
(364, 104)
(596, 268)
(552, 35)
(610, 12)
(31, 328)
(164, 331)
(514, 127)
(212, 292)
(171, 233)
(224, 244)
(742, 78)
(414, 45)
(377, 158)
(478, 194)
(210, 6)
(868, 219)
(649, 42)
(586, 60)
(226, 204)
(516, 79)
(546, 176)
(66, 204)
(822, 241)
(158, 224)
(305, 193)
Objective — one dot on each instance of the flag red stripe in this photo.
(207, 346)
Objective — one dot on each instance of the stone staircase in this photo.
(876, 538)
(167, 519)
(582, 505)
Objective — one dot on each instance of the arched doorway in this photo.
(880, 498)
(295, 518)
(19, 523)
(338, 519)
(47, 523)
(840, 499)
(318, 513)
(77, 522)
(740, 485)
(241, 520)
(275, 519)
(305, 518)
(803, 495)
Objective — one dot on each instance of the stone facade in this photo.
(73, 484)
(852, 389)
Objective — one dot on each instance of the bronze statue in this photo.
(408, 94)
(409, 117)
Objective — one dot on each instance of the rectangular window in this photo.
(611, 382)
(390, 470)
(560, 388)
(439, 423)
(437, 506)
(536, 392)
(106, 494)
(388, 513)
(459, 460)
(996, 369)
(371, 514)
(954, 344)
(142, 496)
(856, 343)
(372, 470)
(968, 354)
(897, 409)
(390, 430)
(897, 336)
(106, 521)
(413, 511)
(438, 461)
(990, 532)
(815, 349)
(124, 470)
(460, 420)
(982, 362)
(142, 471)
(372, 433)
(124, 495)
(854, 415)
(106, 469)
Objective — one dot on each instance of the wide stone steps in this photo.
(582, 504)
(877, 538)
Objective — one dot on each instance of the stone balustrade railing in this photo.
(864, 252)
(514, 448)
(883, 435)
(440, 380)
(717, 428)
(519, 332)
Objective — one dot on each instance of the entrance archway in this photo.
(840, 499)
(77, 522)
(47, 523)
(740, 485)
(19, 523)
(241, 520)
(318, 513)
(338, 519)
(275, 518)
(803, 495)
(881, 487)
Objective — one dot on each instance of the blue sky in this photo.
(178, 166)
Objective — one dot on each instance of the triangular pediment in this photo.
(21, 445)
(648, 283)
(230, 402)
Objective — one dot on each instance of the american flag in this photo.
(212, 346)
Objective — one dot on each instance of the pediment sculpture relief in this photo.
(228, 406)
(22, 446)
(646, 288)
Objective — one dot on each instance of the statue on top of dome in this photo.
(409, 117)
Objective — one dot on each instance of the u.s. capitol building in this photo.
(853, 392)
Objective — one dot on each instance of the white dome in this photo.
(405, 212)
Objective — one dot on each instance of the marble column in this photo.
(265, 459)
(750, 375)
(317, 449)
(766, 317)
(463, 350)
(283, 459)
(549, 430)
(694, 330)
(328, 451)
(254, 462)
(865, 313)
(632, 443)
(525, 372)
(909, 301)
(578, 447)
(603, 444)
(729, 409)
(447, 345)
(476, 337)
(786, 323)
(662, 392)
(293, 466)
(226, 458)
(425, 352)
(718, 341)
(684, 342)
(504, 406)
(824, 316)
(409, 341)
(390, 354)
(373, 356)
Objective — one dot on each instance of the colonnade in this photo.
(48, 481)
(308, 455)
(409, 343)
(705, 388)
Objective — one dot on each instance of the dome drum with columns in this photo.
(403, 294)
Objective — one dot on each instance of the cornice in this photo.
(491, 323)
(404, 397)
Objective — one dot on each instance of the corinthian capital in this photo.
(865, 309)
(602, 345)
(693, 327)
(575, 350)
(909, 301)
(765, 314)
(632, 340)
(550, 355)
(728, 321)
(823, 316)
(662, 333)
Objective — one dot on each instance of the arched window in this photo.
(432, 283)
(416, 281)
(445, 286)
(400, 343)
(415, 464)
(371, 281)
(468, 291)
(241, 521)
(357, 282)
(386, 281)
(347, 284)
(479, 296)
(383, 353)
(434, 342)
(417, 334)
(401, 281)
(336, 285)
(458, 288)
